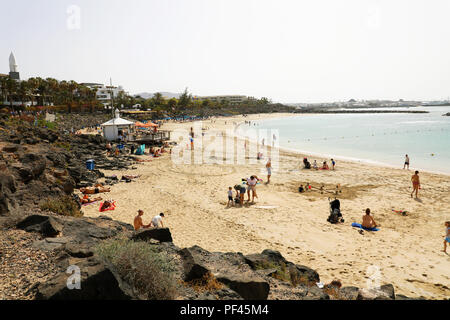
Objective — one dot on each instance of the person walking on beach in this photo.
(230, 197)
(368, 221)
(157, 220)
(447, 236)
(416, 183)
(406, 162)
(269, 169)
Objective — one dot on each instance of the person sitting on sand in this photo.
(108, 148)
(138, 224)
(368, 221)
(416, 183)
(315, 166)
(325, 166)
(158, 220)
(447, 236)
(98, 188)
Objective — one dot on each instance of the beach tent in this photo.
(112, 127)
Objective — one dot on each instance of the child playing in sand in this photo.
(333, 163)
(230, 197)
(447, 236)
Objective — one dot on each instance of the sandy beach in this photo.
(407, 250)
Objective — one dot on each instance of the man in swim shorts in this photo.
(416, 183)
(406, 162)
(138, 224)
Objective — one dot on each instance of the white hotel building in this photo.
(233, 99)
(103, 93)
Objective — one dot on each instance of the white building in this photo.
(104, 93)
(112, 127)
(233, 99)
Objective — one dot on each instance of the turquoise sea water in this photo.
(377, 138)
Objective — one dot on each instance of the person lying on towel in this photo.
(107, 205)
(368, 221)
(97, 189)
(86, 199)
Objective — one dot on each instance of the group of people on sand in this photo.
(156, 221)
(325, 166)
(247, 185)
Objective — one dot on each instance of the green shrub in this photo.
(141, 266)
(64, 205)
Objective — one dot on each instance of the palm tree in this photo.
(11, 90)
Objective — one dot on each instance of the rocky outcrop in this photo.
(45, 225)
(96, 282)
(160, 234)
(229, 268)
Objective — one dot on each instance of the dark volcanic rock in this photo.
(349, 293)
(45, 225)
(389, 290)
(160, 234)
(228, 268)
(98, 282)
(269, 259)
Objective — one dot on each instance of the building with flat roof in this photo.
(233, 99)
(104, 93)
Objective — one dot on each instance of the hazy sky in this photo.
(289, 51)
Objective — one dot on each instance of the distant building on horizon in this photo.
(233, 99)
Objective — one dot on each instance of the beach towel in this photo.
(86, 204)
(358, 225)
(112, 207)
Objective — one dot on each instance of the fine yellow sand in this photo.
(406, 251)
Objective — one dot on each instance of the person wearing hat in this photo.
(138, 224)
(157, 220)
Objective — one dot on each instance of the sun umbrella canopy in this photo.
(145, 125)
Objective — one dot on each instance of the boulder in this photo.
(372, 294)
(349, 293)
(389, 290)
(194, 268)
(45, 225)
(269, 259)
(97, 282)
(160, 234)
(247, 287)
(228, 268)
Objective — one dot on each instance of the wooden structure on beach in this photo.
(150, 138)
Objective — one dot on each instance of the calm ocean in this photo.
(376, 138)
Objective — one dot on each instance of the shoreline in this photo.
(327, 156)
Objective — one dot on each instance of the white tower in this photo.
(12, 63)
(13, 73)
